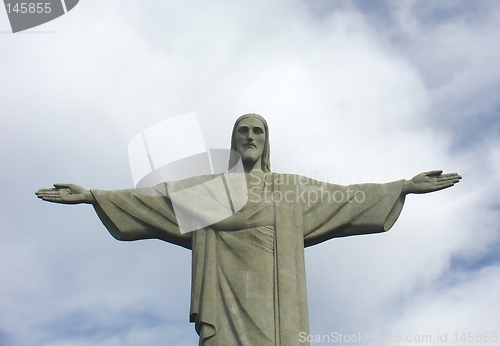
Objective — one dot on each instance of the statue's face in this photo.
(250, 139)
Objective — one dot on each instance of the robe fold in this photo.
(248, 273)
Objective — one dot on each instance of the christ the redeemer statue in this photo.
(248, 272)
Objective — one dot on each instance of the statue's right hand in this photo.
(66, 194)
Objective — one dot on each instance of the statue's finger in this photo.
(46, 190)
(52, 199)
(47, 196)
(440, 179)
(447, 184)
(434, 173)
(452, 176)
(50, 193)
(62, 186)
(449, 175)
(444, 186)
(47, 193)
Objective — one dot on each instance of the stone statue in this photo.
(248, 273)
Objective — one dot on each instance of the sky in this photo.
(353, 91)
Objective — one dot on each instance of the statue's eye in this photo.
(258, 130)
(243, 129)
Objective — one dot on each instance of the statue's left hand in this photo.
(431, 181)
(66, 194)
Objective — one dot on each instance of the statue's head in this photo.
(250, 139)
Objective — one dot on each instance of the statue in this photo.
(248, 273)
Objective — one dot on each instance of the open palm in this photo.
(431, 181)
(65, 194)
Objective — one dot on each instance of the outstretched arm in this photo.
(430, 181)
(127, 214)
(66, 194)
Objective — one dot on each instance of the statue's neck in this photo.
(252, 166)
(255, 180)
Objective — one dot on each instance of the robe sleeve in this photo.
(331, 211)
(135, 214)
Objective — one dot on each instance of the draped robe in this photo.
(248, 273)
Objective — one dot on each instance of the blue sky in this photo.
(353, 91)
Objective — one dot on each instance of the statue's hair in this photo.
(265, 158)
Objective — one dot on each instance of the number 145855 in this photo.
(31, 7)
